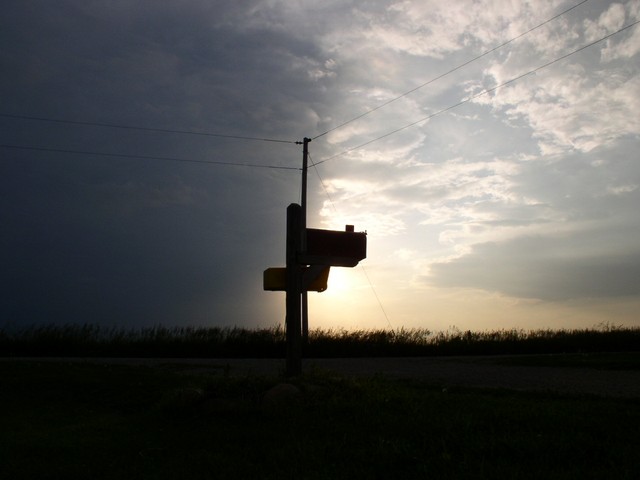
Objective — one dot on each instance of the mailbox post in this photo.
(294, 290)
(309, 258)
(309, 255)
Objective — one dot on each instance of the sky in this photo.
(491, 159)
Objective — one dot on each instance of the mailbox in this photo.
(313, 279)
(333, 247)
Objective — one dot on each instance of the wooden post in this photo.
(294, 287)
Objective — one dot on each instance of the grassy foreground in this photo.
(79, 420)
(215, 342)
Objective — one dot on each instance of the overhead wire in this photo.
(250, 138)
(326, 192)
(145, 157)
(483, 92)
(450, 71)
(145, 129)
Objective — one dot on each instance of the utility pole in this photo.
(310, 254)
(297, 318)
(303, 202)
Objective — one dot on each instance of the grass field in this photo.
(80, 420)
(215, 342)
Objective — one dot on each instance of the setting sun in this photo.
(348, 302)
(340, 282)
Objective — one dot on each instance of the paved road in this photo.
(467, 372)
(440, 371)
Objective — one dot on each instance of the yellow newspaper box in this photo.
(275, 279)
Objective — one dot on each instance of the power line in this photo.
(384, 312)
(145, 157)
(484, 92)
(145, 129)
(450, 71)
(326, 192)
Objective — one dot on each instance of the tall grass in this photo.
(229, 342)
(97, 341)
(423, 342)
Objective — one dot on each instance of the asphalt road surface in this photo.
(443, 372)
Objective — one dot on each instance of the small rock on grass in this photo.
(282, 395)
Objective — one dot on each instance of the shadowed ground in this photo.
(342, 419)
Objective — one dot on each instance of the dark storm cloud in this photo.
(138, 251)
(162, 61)
(135, 241)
